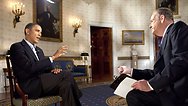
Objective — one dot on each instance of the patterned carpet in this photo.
(96, 95)
(116, 101)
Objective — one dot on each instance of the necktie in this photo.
(162, 45)
(35, 52)
(159, 43)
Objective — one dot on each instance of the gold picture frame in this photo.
(174, 9)
(132, 37)
(49, 16)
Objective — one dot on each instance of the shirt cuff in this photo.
(131, 72)
(51, 59)
(149, 86)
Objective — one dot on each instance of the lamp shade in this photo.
(84, 54)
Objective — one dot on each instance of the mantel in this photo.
(129, 57)
(70, 57)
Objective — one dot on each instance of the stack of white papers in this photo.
(124, 87)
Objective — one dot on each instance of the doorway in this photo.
(101, 53)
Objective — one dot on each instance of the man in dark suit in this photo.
(167, 83)
(35, 72)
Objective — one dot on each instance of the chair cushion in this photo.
(39, 102)
(78, 71)
(64, 65)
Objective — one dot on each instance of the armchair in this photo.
(24, 100)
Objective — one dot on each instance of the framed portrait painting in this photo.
(172, 4)
(48, 14)
(133, 37)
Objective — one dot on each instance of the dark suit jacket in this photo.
(27, 68)
(170, 75)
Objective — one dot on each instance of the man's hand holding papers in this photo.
(128, 83)
(124, 87)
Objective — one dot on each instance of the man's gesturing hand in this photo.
(59, 52)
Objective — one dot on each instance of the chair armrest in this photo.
(23, 96)
(19, 91)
